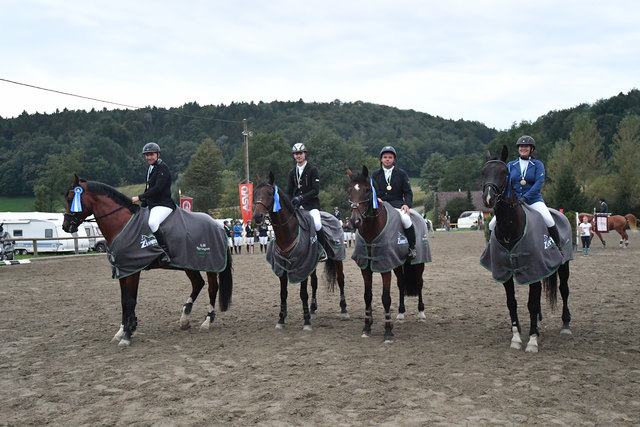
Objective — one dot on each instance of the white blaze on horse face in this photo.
(357, 187)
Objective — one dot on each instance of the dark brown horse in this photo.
(618, 223)
(286, 228)
(371, 223)
(511, 222)
(112, 211)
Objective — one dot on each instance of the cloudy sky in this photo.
(496, 62)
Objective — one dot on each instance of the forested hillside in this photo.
(582, 147)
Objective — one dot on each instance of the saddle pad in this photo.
(334, 236)
(302, 260)
(535, 256)
(389, 249)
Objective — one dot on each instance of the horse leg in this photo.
(512, 305)
(283, 301)
(367, 276)
(314, 291)
(535, 291)
(421, 316)
(212, 279)
(563, 273)
(624, 238)
(128, 299)
(604, 244)
(304, 297)
(386, 303)
(339, 267)
(196, 286)
(401, 292)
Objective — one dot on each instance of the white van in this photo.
(468, 219)
(25, 226)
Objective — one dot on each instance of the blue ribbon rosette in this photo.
(76, 205)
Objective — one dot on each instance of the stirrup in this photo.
(323, 256)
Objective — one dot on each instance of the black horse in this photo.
(511, 221)
(287, 230)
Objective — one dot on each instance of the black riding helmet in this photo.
(388, 149)
(526, 140)
(151, 147)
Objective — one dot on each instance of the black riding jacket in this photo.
(309, 186)
(158, 189)
(400, 193)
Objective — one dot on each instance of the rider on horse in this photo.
(392, 185)
(157, 194)
(526, 176)
(303, 187)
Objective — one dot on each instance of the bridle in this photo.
(75, 220)
(368, 206)
(270, 209)
(499, 189)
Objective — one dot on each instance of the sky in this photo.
(495, 62)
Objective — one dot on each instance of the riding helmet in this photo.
(388, 149)
(298, 148)
(526, 140)
(150, 147)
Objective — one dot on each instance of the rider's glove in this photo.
(296, 201)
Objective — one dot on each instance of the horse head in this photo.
(360, 195)
(263, 199)
(495, 179)
(78, 207)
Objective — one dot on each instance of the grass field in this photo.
(16, 204)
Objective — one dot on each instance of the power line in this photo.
(112, 102)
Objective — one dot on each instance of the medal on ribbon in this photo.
(76, 204)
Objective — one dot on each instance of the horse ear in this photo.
(258, 179)
(76, 180)
(365, 171)
(349, 174)
(271, 178)
(504, 154)
(487, 156)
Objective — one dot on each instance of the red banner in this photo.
(246, 201)
(186, 203)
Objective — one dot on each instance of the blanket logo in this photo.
(148, 240)
(202, 249)
(402, 239)
(548, 242)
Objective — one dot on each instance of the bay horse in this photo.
(286, 228)
(112, 210)
(618, 223)
(370, 223)
(511, 222)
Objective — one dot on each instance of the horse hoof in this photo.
(279, 325)
(345, 316)
(205, 325)
(307, 328)
(185, 326)
(566, 331)
(313, 316)
(531, 349)
(516, 345)
(124, 343)
(364, 335)
(422, 317)
(400, 316)
(388, 340)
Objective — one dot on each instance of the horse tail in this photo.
(550, 285)
(632, 222)
(330, 274)
(410, 280)
(226, 283)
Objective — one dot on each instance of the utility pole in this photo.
(245, 136)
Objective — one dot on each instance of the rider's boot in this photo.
(323, 242)
(553, 232)
(164, 258)
(411, 238)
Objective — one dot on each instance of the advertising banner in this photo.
(246, 201)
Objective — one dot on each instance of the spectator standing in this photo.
(585, 235)
(237, 237)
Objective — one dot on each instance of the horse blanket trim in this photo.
(535, 256)
(194, 240)
(389, 249)
(303, 258)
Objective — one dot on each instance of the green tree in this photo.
(587, 150)
(566, 192)
(462, 173)
(457, 205)
(626, 160)
(432, 171)
(54, 180)
(202, 178)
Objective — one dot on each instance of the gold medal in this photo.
(299, 185)
(388, 187)
(523, 182)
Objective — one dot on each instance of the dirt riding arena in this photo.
(58, 366)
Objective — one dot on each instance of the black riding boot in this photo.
(553, 232)
(323, 243)
(411, 237)
(164, 258)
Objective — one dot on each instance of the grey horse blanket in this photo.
(389, 249)
(195, 242)
(535, 256)
(302, 260)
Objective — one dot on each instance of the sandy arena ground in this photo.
(57, 365)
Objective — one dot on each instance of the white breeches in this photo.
(404, 218)
(539, 207)
(315, 213)
(238, 240)
(157, 214)
(263, 240)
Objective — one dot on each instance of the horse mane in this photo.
(284, 198)
(112, 193)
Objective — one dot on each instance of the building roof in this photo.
(476, 199)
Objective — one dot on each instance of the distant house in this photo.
(476, 199)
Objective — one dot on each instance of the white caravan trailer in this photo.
(25, 226)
